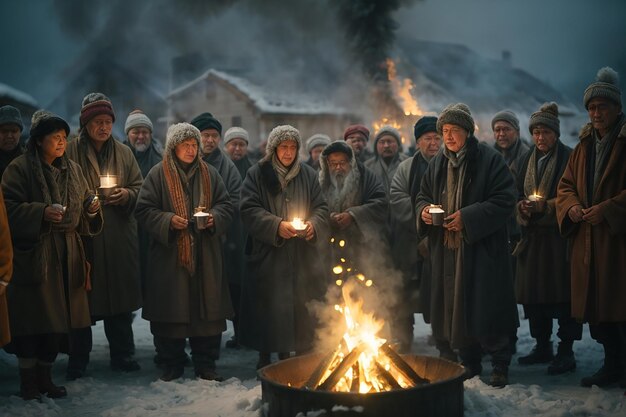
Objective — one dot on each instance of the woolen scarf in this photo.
(454, 192)
(285, 174)
(536, 183)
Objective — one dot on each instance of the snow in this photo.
(108, 394)
(17, 95)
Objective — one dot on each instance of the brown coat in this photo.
(6, 270)
(597, 255)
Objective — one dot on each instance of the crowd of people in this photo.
(196, 232)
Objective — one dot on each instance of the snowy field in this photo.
(108, 394)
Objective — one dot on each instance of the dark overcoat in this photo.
(6, 270)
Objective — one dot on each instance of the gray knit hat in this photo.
(548, 115)
(137, 118)
(236, 133)
(387, 130)
(11, 115)
(506, 116)
(456, 114)
(318, 139)
(606, 86)
(178, 133)
(280, 134)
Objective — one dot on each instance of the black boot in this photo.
(45, 384)
(564, 360)
(172, 372)
(610, 372)
(499, 375)
(210, 374)
(541, 353)
(28, 384)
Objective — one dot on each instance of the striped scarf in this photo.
(179, 202)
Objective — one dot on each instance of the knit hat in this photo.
(548, 115)
(206, 121)
(388, 130)
(606, 86)
(364, 131)
(280, 134)
(95, 104)
(318, 139)
(235, 133)
(178, 133)
(44, 122)
(456, 114)
(11, 115)
(137, 118)
(424, 125)
(505, 116)
(338, 146)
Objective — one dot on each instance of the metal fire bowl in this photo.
(442, 397)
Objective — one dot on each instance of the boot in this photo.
(124, 364)
(172, 372)
(564, 360)
(541, 353)
(446, 352)
(264, 360)
(209, 374)
(45, 384)
(499, 375)
(28, 384)
(76, 367)
(609, 373)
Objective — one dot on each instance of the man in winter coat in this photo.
(591, 211)
(314, 147)
(284, 268)
(187, 293)
(11, 127)
(388, 148)
(405, 245)
(542, 282)
(357, 136)
(473, 302)
(236, 140)
(211, 135)
(113, 254)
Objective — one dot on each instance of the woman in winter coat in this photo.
(49, 206)
(285, 269)
(186, 294)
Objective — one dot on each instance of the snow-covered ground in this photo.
(105, 393)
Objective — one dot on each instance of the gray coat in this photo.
(489, 197)
(167, 297)
(283, 275)
(385, 172)
(114, 252)
(37, 298)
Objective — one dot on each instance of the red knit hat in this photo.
(357, 129)
(95, 104)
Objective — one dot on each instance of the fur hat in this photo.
(44, 122)
(206, 121)
(318, 139)
(606, 86)
(11, 115)
(235, 133)
(506, 116)
(137, 118)
(387, 130)
(338, 146)
(178, 133)
(424, 125)
(280, 134)
(95, 104)
(548, 115)
(364, 131)
(456, 114)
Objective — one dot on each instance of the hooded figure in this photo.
(49, 206)
(186, 295)
(284, 268)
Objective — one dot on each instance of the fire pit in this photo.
(283, 389)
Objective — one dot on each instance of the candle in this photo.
(108, 181)
(298, 224)
(534, 197)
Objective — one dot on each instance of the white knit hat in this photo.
(137, 118)
(235, 133)
(317, 140)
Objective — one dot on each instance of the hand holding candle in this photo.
(299, 226)
(107, 185)
(537, 203)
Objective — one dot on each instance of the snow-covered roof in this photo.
(283, 102)
(17, 95)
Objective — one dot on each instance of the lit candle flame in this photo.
(298, 224)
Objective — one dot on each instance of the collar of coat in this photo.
(269, 177)
(587, 130)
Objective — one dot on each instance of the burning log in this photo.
(402, 366)
(386, 376)
(342, 368)
(316, 377)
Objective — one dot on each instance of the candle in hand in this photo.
(298, 224)
(108, 181)
(534, 197)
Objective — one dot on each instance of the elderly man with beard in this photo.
(356, 201)
(473, 301)
(591, 212)
(284, 268)
(11, 127)
(410, 254)
(113, 254)
(147, 151)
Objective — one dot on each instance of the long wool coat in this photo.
(488, 200)
(542, 275)
(37, 299)
(6, 270)
(597, 253)
(167, 295)
(283, 275)
(113, 253)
